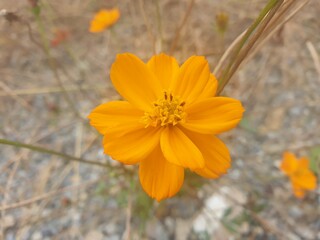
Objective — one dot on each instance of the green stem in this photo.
(225, 74)
(159, 20)
(49, 151)
(53, 64)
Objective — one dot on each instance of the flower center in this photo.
(168, 110)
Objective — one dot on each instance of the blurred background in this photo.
(53, 72)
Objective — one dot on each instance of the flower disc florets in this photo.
(168, 110)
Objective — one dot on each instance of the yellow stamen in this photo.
(168, 110)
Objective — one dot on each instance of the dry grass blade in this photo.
(45, 196)
(315, 57)
(227, 53)
(286, 13)
(250, 37)
(181, 26)
(46, 90)
(52, 152)
(244, 52)
(281, 12)
(147, 23)
(9, 91)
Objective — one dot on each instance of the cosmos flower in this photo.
(60, 36)
(167, 122)
(298, 171)
(104, 19)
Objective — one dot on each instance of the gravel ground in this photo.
(43, 197)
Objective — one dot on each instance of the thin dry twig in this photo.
(227, 53)
(10, 181)
(148, 25)
(242, 51)
(289, 222)
(181, 26)
(53, 64)
(159, 43)
(52, 152)
(273, 21)
(267, 227)
(276, 24)
(47, 90)
(126, 235)
(315, 56)
(46, 196)
(9, 91)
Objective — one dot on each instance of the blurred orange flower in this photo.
(60, 36)
(298, 171)
(104, 19)
(167, 122)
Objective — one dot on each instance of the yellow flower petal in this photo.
(305, 179)
(213, 115)
(215, 153)
(298, 191)
(210, 89)
(289, 163)
(114, 113)
(159, 178)
(135, 81)
(104, 19)
(168, 121)
(300, 175)
(165, 68)
(179, 149)
(303, 163)
(192, 79)
(130, 147)
(304, 176)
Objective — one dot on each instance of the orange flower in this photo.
(104, 19)
(301, 177)
(60, 36)
(167, 122)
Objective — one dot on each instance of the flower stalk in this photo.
(248, 41)
(51, 152)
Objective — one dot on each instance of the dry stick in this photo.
(233, 66)
(77, 153)
(127, 232)
(159, 20)
(228, 52)
(246, 36)
(183, 23)
(10, 92)
(290, 224)
(52, 152)
(267, 227)
(147, 23)
(55, 185)
(9, 183)
(44, 196)
(49, 90)
(315, 56)
(264, 224)
(271, 29)
(52, 65)
(5, 197)
(72, 56)
(251, 42)
(36, 140)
